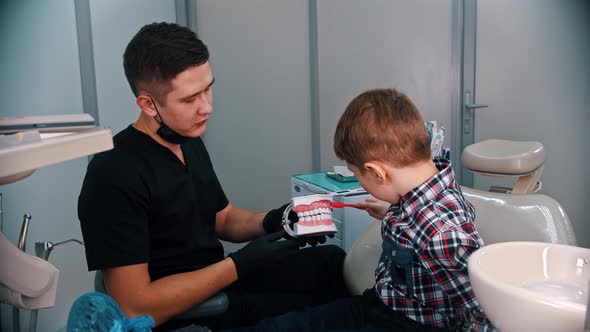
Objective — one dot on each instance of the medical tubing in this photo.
(1, 230)
(24, 230)
(33, 320)
(22, 245)
(15, 319)
(43, 250)
(587, 324)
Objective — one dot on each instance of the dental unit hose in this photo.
(1, 231)
(587, 325)
(1, 220)
(22, 244)
(24, 230)
(43, 250)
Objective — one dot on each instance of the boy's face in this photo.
(375, 180)
(190, 101)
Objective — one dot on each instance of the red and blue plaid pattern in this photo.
(433, 223)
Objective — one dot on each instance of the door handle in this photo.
(468, 112)
(474, 106)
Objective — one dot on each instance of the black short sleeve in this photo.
(140, 204)
(113, 211)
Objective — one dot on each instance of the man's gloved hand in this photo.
(263, 251)
(272, 222)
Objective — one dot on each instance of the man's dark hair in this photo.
(159, 52)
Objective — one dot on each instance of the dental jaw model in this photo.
(314, 213)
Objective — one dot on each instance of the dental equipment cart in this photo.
(349, 221)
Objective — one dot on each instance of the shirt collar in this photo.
(425, 192)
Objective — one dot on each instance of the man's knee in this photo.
(331, 253)
(321, 257)
(327, 251)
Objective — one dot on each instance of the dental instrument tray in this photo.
(340, 177)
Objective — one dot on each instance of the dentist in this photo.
(152, 210)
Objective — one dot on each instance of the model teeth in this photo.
(316, 214)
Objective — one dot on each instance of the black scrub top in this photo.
(140, 204)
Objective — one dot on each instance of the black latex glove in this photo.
(272, 222)
(263, 251)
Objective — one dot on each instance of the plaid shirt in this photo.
(427, 240)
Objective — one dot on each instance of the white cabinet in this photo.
(349, 221)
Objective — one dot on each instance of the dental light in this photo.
(26, 144)
(29, 143)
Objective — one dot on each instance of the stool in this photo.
(502, 158)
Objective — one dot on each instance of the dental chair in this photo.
(217, 304)
(501, 158)
(500, 217)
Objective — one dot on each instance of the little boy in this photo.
(421, 281)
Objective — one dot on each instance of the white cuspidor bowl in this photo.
(532, 286)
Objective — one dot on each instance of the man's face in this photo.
(190, 101)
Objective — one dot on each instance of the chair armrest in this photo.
(215, 305)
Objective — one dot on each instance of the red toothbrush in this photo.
(338, 205)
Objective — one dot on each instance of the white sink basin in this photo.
(532, 286)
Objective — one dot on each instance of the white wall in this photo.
(533, 70)
(259, 132)
(382, 44)
(114, 23)
(41, 76)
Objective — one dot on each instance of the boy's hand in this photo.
(375, 207)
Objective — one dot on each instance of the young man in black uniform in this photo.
(152, 210)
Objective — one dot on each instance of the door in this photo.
(362, 45)
(529, 62)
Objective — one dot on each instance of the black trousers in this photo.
(311, 277)
(364, 313)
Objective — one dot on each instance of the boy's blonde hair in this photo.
(382, 125)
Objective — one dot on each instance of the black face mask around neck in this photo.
(170, 135)
(165, 132)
